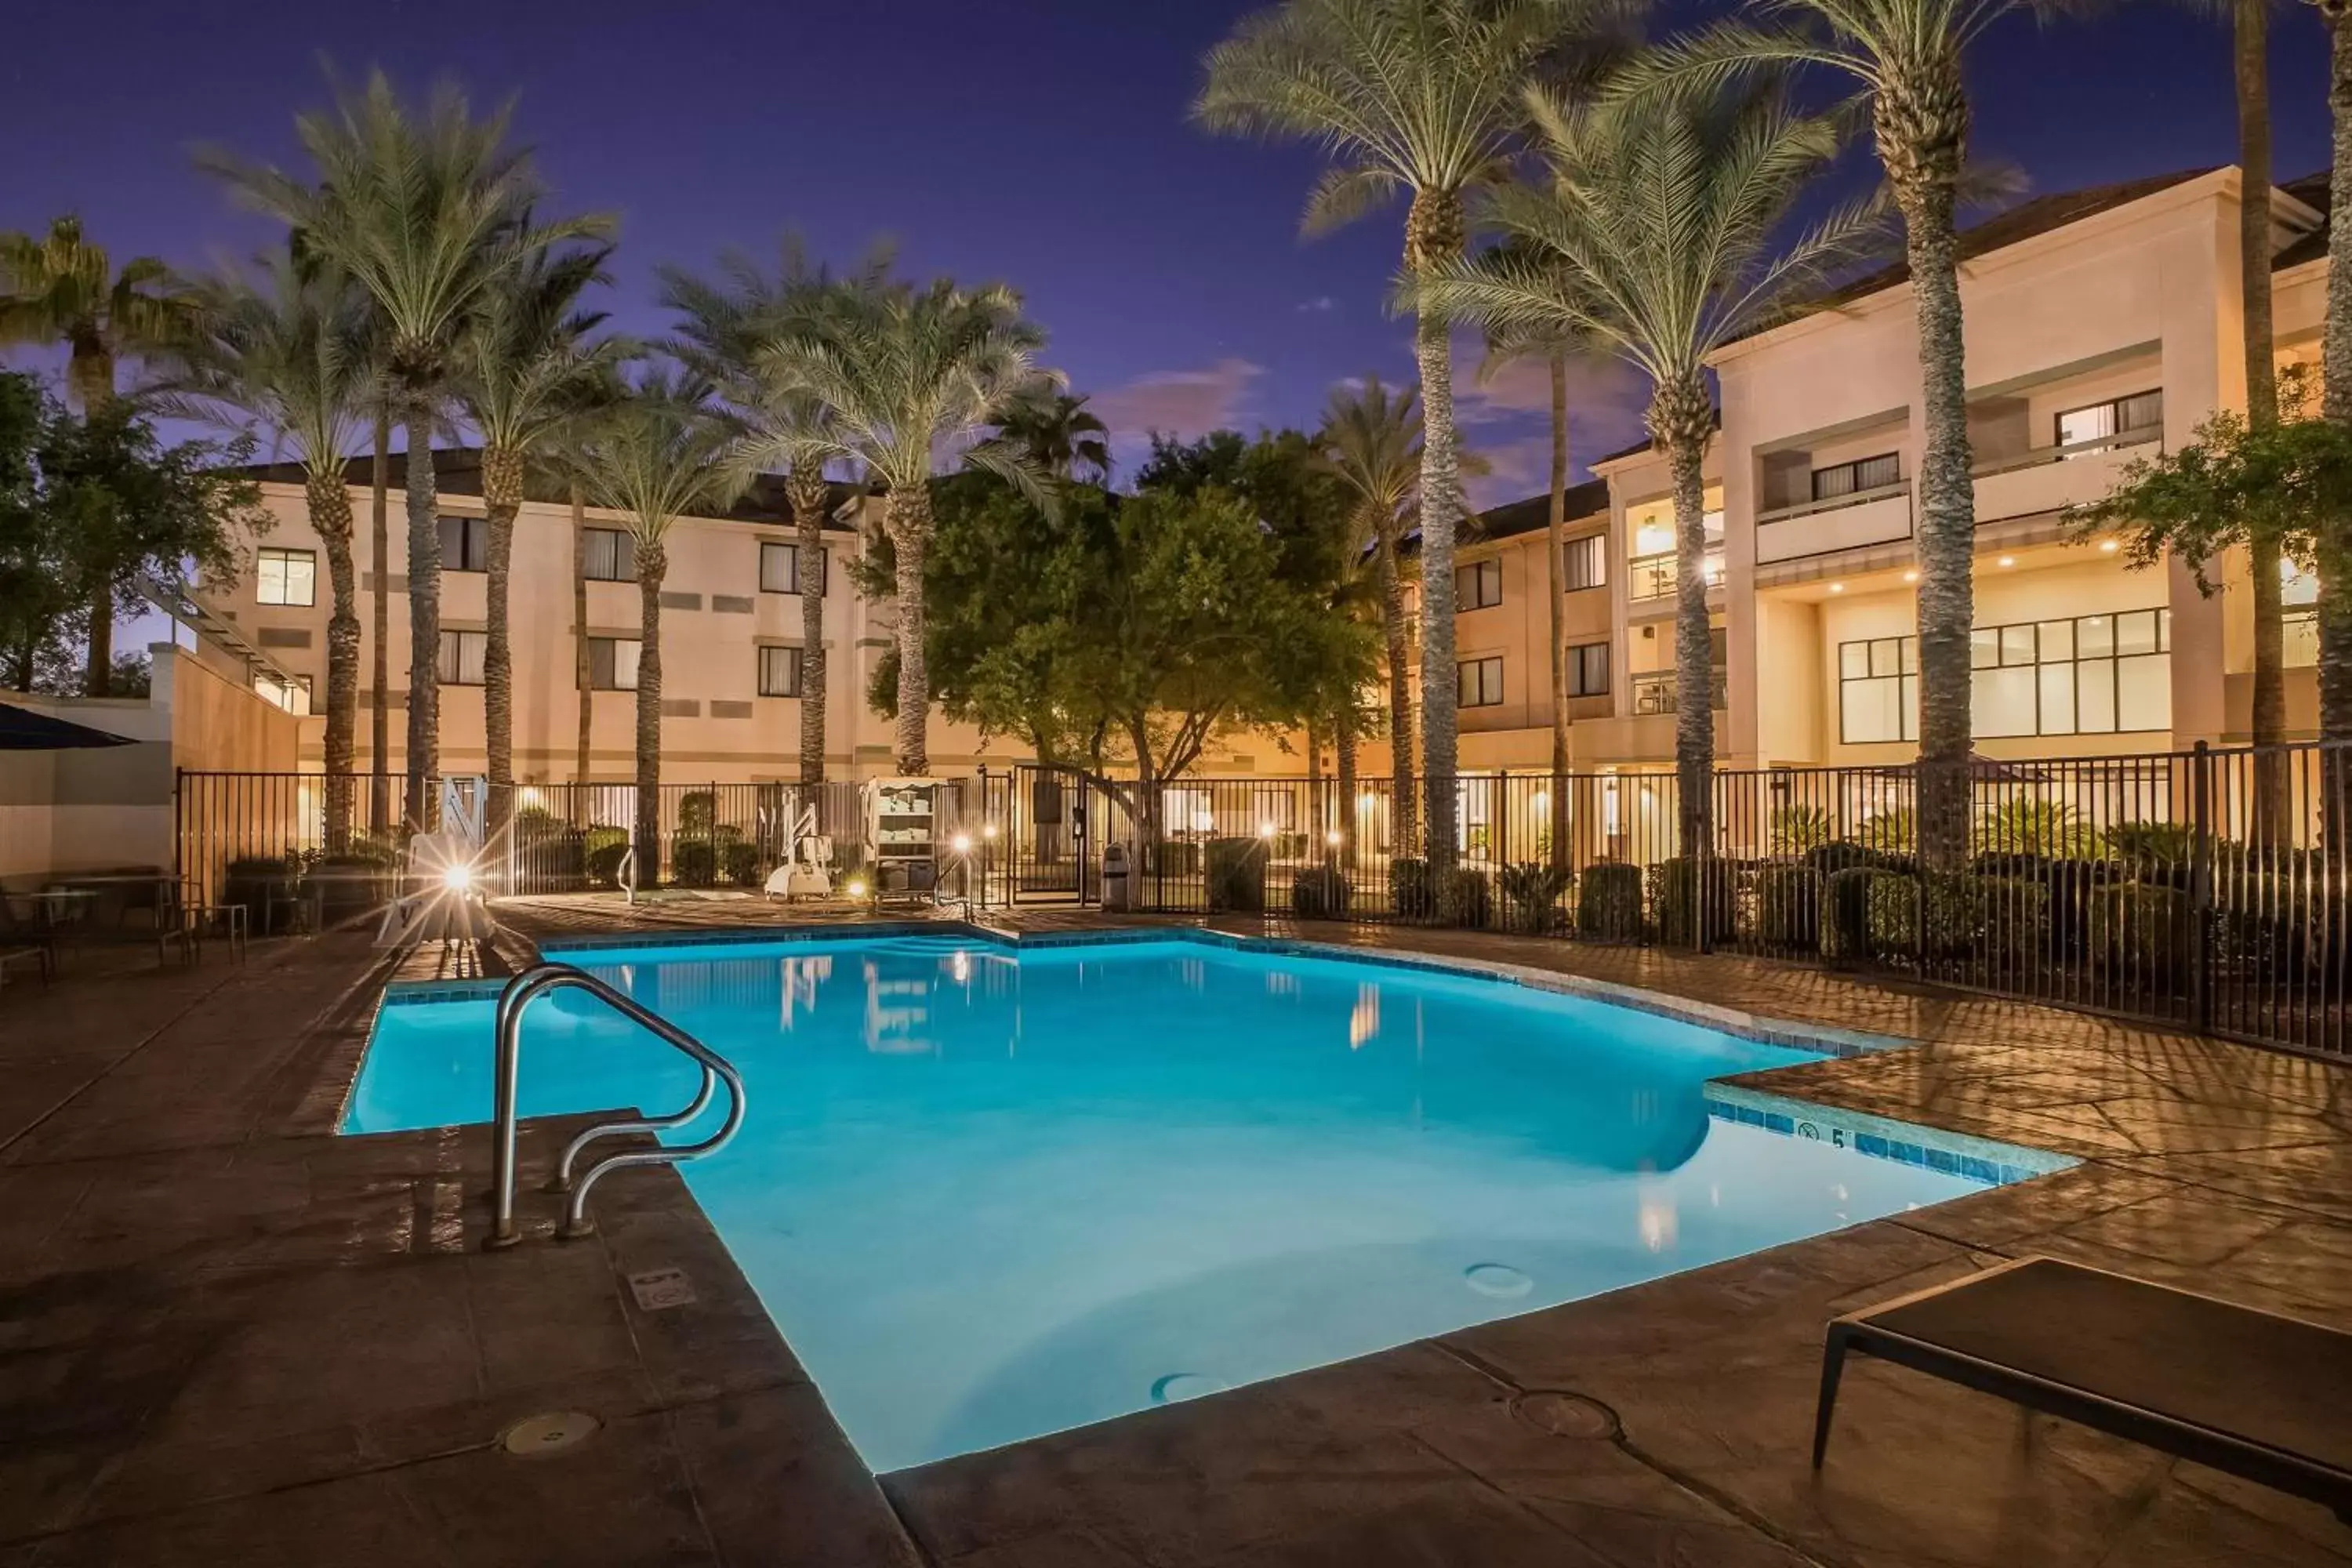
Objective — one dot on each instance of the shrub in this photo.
(1466, 897)
(605, 846)
(1891, 903)
(1841, 855)
(698, 809)
(1846, 912)
(1320, 894)
(2036, 828)
(739, 859)
(1797, 828)
(2012, 920)
(694, 863)
(1532, 894)
(1411, 893)
(347, 887)
(2142, 932)
(1694, 901)
(1176, 857)
(554, 857)
(1895, 832)
(1787, 907)
(1237, 875)
(2153, 846)
(1609, 902)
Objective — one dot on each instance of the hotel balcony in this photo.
(1654, 692)
(1854, 521)
(2046, 479)
(1653, 578)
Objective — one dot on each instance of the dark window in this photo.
(612, 664)
(465, 544)
(462, 653)
(2098, 421)
(286, 577)
(1478, 586)
(1479, 682)
(779, 567)
(1861, 474)
(611, 555)
(779, 672)
(1588, 669)
(1587, 562)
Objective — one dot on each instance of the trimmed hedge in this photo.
(1236, 876)
(1609, 902)
(1694, 901)
(739, 860)
(1320, 894)
(1846, 912)
(1787, 907)
(2142, 932)
(1532, 891)
(1465, 898)
(1412, 892)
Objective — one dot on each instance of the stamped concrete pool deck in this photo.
(229, 1336)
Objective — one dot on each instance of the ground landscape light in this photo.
(458, 878)
(988, 830)
(1332, 838)
(962, 842)
(1265, 830)
(857, 889)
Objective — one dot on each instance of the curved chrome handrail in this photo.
(625, 873)
(518, 995)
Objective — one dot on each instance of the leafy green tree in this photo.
(1657, 237)
(61, 288)
(1420, 97)
(909, 373)
(36, 600)
(664, 454)
(294, 350)
(1059, 434)
(2335, 370)
(426, 211)
(524, 368)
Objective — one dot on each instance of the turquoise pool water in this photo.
(986, 1197)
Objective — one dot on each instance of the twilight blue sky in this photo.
(1044, 142)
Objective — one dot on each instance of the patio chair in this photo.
(26, 935)
(2251, 1393)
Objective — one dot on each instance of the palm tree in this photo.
(1653, 238)
(294, 350)
(909, 373)
(1059, 433)
(1906, 58)
(380, 611)
(2335, 400)
(1371, 438)
(523, 369)
(1416, 96)
(61, 288)
(426, 212)
(564, 458)
(664, 454)
(727, 331)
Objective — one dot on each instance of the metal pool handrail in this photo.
(517, 995)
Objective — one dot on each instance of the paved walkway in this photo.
(227, 1336)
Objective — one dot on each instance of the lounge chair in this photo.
(2258, 1396)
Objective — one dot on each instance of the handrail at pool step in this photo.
(517, 995)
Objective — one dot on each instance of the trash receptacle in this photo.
(1115, 895)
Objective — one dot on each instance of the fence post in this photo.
(179, 832)
(2201, 885)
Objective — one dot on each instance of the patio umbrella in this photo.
(22, 729)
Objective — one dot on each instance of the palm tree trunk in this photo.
(1556, 575)
(424, 619)
(653, 563)
(909, 517)
(808, 496)
(2251, 26)
(1920, 138)
(380, 544)
(97, 680)
(1434, 233)
(1343, 748)
(89, 375)
(2335, 371)
(1404, 805)
(581, 666)
(330, 518)
(1682, 418)
(501, 503)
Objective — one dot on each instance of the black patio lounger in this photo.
(2261, 1396)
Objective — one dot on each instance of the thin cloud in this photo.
(1180, 402)
(1321, 305)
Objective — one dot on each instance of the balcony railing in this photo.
(2045, 478)
(1660, 577)
(1654, 692)
(1879, 516)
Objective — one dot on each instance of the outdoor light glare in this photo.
(2009, 559)
(1366, 801)
(2109, 545)
(1541, 799)
(1265, 830)
(1837, 587)
(962, 842)
(1910, 576)
(458, 878)
(1332, 838)
(988, 830)
(857, 888)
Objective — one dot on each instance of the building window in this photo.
(1861, 474)
(1587, 562)
(779, 672)
(286, 577)
(293, 694)
(612, 664)
(465, 544)
(1588, 669)
(462, 655)
(1478, 682)
(1478, 586)
(2140, 411)
(611, 555)
(779, 567)
(2088, 675)
(1878, 690)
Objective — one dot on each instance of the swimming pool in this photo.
(988, 1193)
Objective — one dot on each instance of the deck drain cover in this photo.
(1566, 1414)
(548, 1433)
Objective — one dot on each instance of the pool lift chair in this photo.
(446, 904)
(807, 872)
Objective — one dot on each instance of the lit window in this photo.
(2117, 416)
(779, 672)
(612, 664)
(1585, 561)
(462, 657)
(286, 577)
(1478, 682)
(1878, 690)
(293, 694)
(611, 555)
(779, 567)
(1478, 586)
(465, 544)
